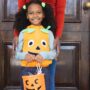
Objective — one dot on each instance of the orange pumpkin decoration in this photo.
(34, 82)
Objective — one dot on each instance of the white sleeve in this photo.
(19, 54)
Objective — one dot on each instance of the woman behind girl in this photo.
(34, 15)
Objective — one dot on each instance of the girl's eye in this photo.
(31, 43)
(43, 42)
(30, 13)
(38, 12)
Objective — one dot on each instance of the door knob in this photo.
(86, 6)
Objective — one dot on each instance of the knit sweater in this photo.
(37, 35)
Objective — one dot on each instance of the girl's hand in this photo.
(29, 57)
(39, 58)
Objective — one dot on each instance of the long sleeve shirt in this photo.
(46, 55)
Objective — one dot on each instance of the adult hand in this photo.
(15, 42)
(57, 45)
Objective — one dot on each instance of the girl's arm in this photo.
(52, 53)
(23, 55)
(19, 54)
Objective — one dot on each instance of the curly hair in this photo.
(21, 21)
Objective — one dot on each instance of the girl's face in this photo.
(35, 14)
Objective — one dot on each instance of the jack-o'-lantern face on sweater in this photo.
(36, 40)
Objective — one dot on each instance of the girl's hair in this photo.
(21, 21)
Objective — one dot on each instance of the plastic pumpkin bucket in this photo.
(34, 82)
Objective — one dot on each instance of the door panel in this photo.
(68, 65)
(72, 69)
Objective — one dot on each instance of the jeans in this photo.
(26, 71)
(52, 69)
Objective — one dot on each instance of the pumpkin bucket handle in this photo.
(39, 68)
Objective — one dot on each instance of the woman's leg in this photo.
(47, 77)
(52, 68)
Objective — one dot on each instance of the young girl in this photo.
(59, 10)
(35, 15)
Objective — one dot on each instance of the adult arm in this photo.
(59, 13)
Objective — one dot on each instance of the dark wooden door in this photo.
(72, 70)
